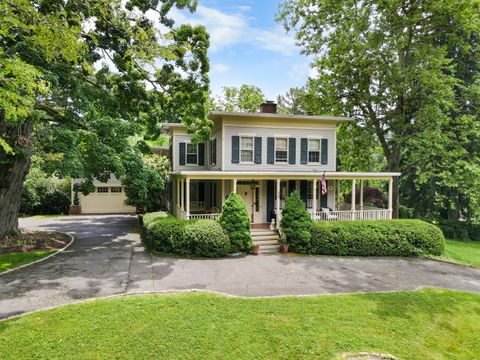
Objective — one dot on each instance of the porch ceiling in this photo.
(294, 175)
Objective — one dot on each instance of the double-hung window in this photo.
(314, 150)
(192, 154)
(246, 149)
(281, 150)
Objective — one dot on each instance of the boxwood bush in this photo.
(296, 221)
(373, 238)
(166, 234)
(235, 221)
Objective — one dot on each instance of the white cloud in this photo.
(220, 68)
(229, 29)
(300, 71)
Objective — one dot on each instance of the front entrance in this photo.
(251, 196)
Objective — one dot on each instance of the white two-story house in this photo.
(263, 157)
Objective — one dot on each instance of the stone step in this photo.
(265, 242)
(265, 237)
(269, 249)
(263, 231)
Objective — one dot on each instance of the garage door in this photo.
(105, 199)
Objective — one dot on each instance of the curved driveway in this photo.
(107, 258)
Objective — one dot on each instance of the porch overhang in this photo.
(291, 175)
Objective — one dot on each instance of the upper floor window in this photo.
(281, 149)
(192, 154)
(314, 150)
(246, 149)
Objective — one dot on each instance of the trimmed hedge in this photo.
(296, 220)
(235, 221)
(373, 238)
(166, 234)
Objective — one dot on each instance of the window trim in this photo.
(319, 151)
(102, 192)
(240, 149)
(287, 150)
(186, 154)
(116, 187)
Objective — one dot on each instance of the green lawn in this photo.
(12, 260)
(428, 324)
(462, 251)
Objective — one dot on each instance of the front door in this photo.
(247, 195)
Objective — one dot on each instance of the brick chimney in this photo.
(268, 107)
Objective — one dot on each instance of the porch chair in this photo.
(328, 216)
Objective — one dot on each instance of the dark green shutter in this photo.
(235, 149)
(270, 199)
(201, 191)
(304, 190)
(292, 186)
(201, 154)
(292, 150)
(324, 151)
(214, 151)
(304, 151)
(270, 150)
(258, 150)
(181, 153)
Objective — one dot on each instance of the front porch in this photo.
(201, 194)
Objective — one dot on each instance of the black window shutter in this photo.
(235, 149)
(324, 151)
(270, 199)
(304, 151)
(292, 185)
(303, 191)
(270, 150)
(214, 151)
(292, 150)
(201, 191)
(181, 153)
(258, 150)
(201, 154)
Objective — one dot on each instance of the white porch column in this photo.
(338, 195)
(235, 186)
(314, 205)
(361, 194)
(277, 206)
(182, 194)
(187, 205)
(353, 198)
(390, 197)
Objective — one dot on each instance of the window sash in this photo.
(102, 189)
(314, 150)
(281, 150)
(246, 149)
(192, 154)
(116, 189)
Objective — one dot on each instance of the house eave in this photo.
(218, 115)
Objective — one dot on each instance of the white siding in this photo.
(177, 139)
(264, 133)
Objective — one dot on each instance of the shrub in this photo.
(296, 221)
(374, 238)
(207, 238)
(165, 233)
(460, 230)
(235, 221)
(405, 212)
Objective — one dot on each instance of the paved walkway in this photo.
(107, 258)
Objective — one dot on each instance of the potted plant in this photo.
(75, 209)
(284, 248)
(255, 249)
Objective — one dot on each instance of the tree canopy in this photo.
(407, 71)
(82, 77)
(246, 98)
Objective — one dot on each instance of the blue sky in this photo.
(248, 46)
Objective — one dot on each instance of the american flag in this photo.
(324, 185)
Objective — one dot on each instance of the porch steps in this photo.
(267, 239)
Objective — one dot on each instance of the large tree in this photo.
(385, 62)
(82, 77)
(246, 98)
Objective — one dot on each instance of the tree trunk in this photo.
(394, 166)
(13, 169)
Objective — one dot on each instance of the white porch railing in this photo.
(205, 216)
(378, 214)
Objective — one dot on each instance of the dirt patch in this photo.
(34, 240)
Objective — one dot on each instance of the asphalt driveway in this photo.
(107, 258)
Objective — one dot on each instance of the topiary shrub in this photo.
(207, 238)
(295, 223)
(375, 238)
(235, 221)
